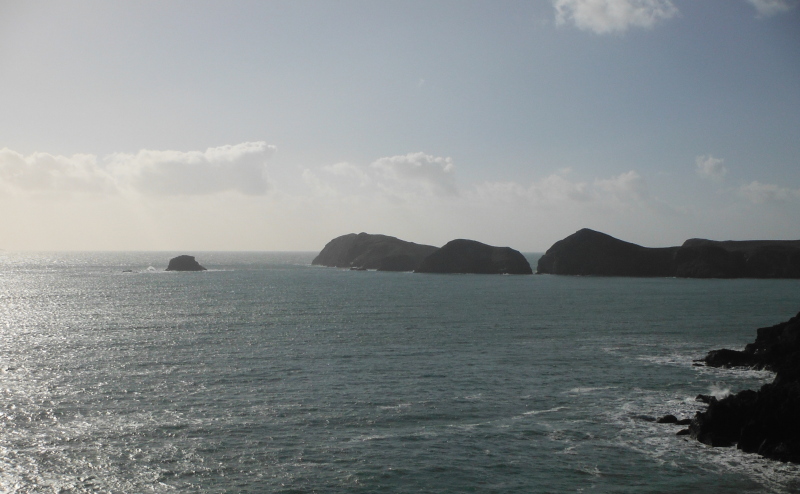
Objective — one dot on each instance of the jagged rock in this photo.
(366, 251)
(588, 252)
(763, 421)
(721, 424)
(469, 256)
(184, 263)
(705, 399)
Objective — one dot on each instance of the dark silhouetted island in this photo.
(469, 256)
(184, 263)
(699, 258)
(366, 251)
(591, 253)
(383, 253)
(766, 421)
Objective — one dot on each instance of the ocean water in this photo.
(265, 374)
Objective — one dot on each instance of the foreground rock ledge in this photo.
(766, 421)
(472, 257)
(184, 263)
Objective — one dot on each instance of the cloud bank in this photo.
(711, 168)
(240, 168)
(759, 193)
(401, 177)
(768, 8)
(152, 200)
(613, 16)
(47, 173)
(624, 190)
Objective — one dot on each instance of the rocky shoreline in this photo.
(767, 421)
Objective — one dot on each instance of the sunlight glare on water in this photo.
(267, 374)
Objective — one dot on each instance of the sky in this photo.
(279, 125)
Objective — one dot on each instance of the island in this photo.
(370, 251)
(591, 253)
(700, 258)
(365, 251)
(470, 256)
(184, 263)
(764, 421)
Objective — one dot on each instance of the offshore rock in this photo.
(469, 256)
(184, 263)
(763, 421)
(367, 251)
(591, 253)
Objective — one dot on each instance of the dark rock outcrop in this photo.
(588, 252)
(184, 263)
(367, 251)
(469, 256)
(591, 253)
(764, 421)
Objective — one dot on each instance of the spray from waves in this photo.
(719, 391)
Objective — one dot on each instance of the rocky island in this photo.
(700, 258)
(469, 256)
(764, 421)
(184, 263)
(591, 253)
(367, 251)
(383, 253)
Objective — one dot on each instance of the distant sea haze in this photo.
(267, 374)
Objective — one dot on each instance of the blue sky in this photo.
(268, 125)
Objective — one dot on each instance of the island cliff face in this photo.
(764, 421)
(469, 256)
(366, 251)
(184, 263)
(588, 252)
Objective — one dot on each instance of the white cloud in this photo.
(767, 8)
(625, 187)
(52, 173)
(628, 188)
(613, 16)
(348, 171)
(711, 167)
(557, 187)
(240, 168)
(397, 179)
(434, 174)
(759, 193)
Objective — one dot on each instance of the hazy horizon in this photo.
(280, 125)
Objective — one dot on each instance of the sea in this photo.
(267, 374)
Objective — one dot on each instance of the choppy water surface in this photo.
(265, 374)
